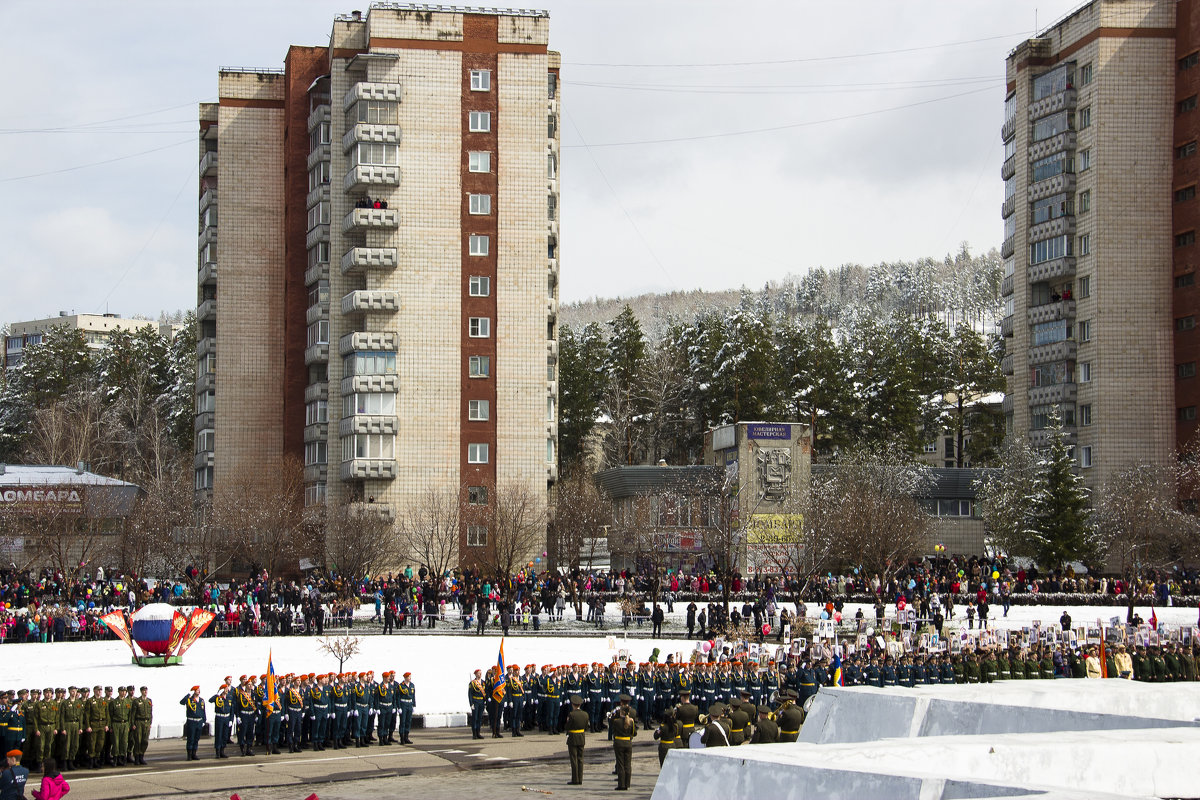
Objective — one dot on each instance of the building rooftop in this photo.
(12, 475)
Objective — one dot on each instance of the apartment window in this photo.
(1085, 372)
(1085, 330)
(477, 495)
(550, 409)
(1184, 239)
(550, 373)
(551, 206)
(1085, 74)
(1185, 194)
(369, 445)
(1051, 166)
(1186, 104)
(318, 215)
(318, 254)
(480, 286)
(479, 366)
(477, 245)
(369, 362)
(1049, 249)
(318, 332)
(210, 216)
(1085, 415)
(1085, 286)
(1186, 413)
(1185, 280)
(477, 410)
(373, 403)
(1046, 209)
(1185, 323)
(476, 536)
(1085, 159)
(551, 247)
(1085, 244)
(316, 412)
(1085, 201)
(318, 293)
(479, 161)
(205, 440)
(480, 203)
(316, 453)
(551, 126)
(931, 447)
(551, 166)
(1085, 117)
(319, 136)
(549, 451)
(376, 112)
(477, 453)
(1185, 150)
(205, 366)
(551, 85)
(1187, 370)
(204, 478)
(314, 494)
(205, 402)
(481, 80)
(479, 121)
(1085, 456)
(1189, 61)
(479, 327)
(318, 175)
(376, 154)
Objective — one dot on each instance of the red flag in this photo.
(1153, 619)
(1103, 660)
(177, 625)
(116, 623)
(197, 623)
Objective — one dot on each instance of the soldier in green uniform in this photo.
(1047, 665)
(767, 730)
(71, 713)
(686, 716)
(667, 735)
(1140, 669)
(96, 725)
(989, 669)
(45, 726)
(739, 720)
(143, 717)
(624, 728)
(119, 711)
(716, 730)
(578, 723)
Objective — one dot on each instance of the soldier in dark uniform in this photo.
(551, 702)
(715, 733)
(577, 726)
(767, 730)
(194, 723)
(739, 719)
(244, 707)
(341, 711)
(514, 696)
(477, 700)
(790, 717)
(406, 701)
(686, 715)
(668, 735)
(293, 706)
(624, 728)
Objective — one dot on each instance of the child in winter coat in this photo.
(54, 785)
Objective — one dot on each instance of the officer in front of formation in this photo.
(578, 723)
(624, 728)
(196, 717)
(477, 699)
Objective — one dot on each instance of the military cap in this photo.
(624, 698)
(576, 700)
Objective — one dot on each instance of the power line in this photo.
(789, 126)
(99, 122)
(783, 89)
(802, 60)
(96, 163)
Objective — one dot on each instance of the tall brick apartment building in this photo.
(381, 299)
(1100, 216)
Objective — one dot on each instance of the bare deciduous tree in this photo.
(358, 541)
(581, 514)
(431, 527)
(262, 509)
(517, 533)
(343, 648)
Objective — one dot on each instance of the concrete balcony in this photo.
(369, 468)
(1008, 247)
(369, 512)
(373, 300)
(208, 199)
(551, 308)
(1065, 100)
(1006, 285)
(367, 423)
(362, 219)
(1055, 351)
(1008, 168)
(208, 164)
(317, 195)
(206, 383)
(206, 346)
(1059, 226)
(1055, 144)
(315, 473)
(370, 383)
(204, 459)
(207, 275)
(1050, 395)
(1052, 312)
(367, 340)
(367, 132)
(552, 348)
(1006, 405)
(1008, 207)
(1006, 326)
(1008, 129)
(1053, 269)
(316, 236)
(205, 420)
(319, 114)
(316, 354)
(207, 236)
(552, 266)
(207, 310)
(316, 391)
(365, 90)
(1059, 184)
(317, 156)
(552, 388)
(317, 432)
(1043, 437)
(360, 176)
(320, 272)
(552, 473)
(362, 258)
(318, 312)
(1006, 365)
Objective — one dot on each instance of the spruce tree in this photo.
(1060, 524)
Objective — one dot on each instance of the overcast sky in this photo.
(708, 145)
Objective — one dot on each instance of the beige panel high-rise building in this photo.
(1088, 137)
(397, 267)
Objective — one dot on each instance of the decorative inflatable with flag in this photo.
(160, 631)
(152, 626)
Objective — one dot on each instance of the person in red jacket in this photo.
(54, 785)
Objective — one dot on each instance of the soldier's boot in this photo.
(275, 749)
(249, 752)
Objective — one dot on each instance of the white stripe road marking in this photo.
(497, 758)
(447, 751)
(240, 766)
